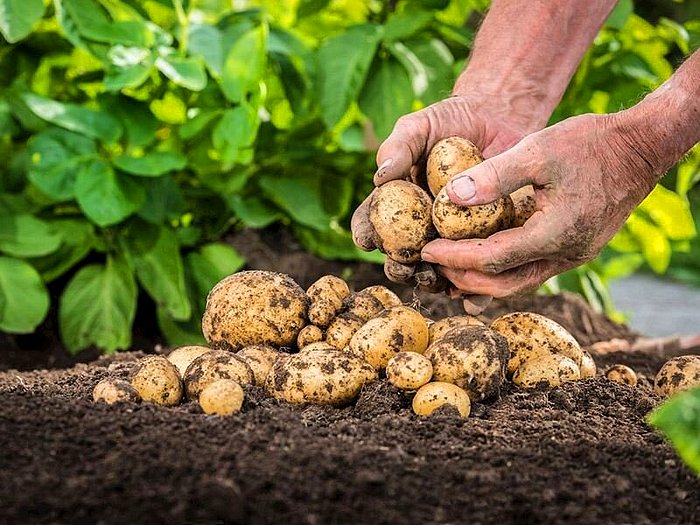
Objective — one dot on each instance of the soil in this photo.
(581, 453)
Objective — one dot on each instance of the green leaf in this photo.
(186, 72)
(170, 109)
(164, 200)
(124, 32)
(211, 263)
(129, 67)
(98, 307)
(17, 18)
(299, 196)
(437, 63)
(344, 61)
(235, 133)
(140, 126)
(180, 333)
(679, 419)
(335, 244)
(670, 212)
(622, 11)
(244, 64)
(78, 238)
(24, 300)
(195, 125)
(655, 245)
(253, 211)
(206, 41)
(152, 164)
(26, 236)
(86, 121)
(105, 196)
(401, 25)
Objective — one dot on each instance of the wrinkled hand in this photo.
(588, 177)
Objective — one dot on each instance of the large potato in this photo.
(434, 395)
(547, 371)
(182, 356)
(400, 216)
(455, 222)
(260, 358)
(439, 328)
(157, 381)
(323, 377)
(398, 329)
(679, 373)
(449, 157)
(217, 364)
(471, 357)
(254, 307)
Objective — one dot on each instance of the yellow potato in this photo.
(217, 364)
(470, 222)
(318, 345)
(364, 305)
(182, 357)
(547, 371)
(341, 330)
(677, 374)
(449, 157)
(523, 205)
(260, 358)
(157, 381)
(309, 334)
(444, 325)
(322, 311)
(587, 366)
(622, 374)
(113, 391)
(409, 370)
(223, 397)
(385, 296)
(326, 297)
(432, 396)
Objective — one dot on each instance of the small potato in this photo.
(328, 286)
(260, 358)
(364, 305)
(398, 329)
(432, 396)
(322, 377)
(444, 325)
(182, 357)
(309, 334)
(587, 367)
(677, 374)
(400, 215)
(341, 330)
(471, 357)
(157, 381)
(470, 222)
(548, 371)
(385, 296)
(113, 391)
(449, 157)
(524, 204)
(254, 307)
(409, 370)
(532, 335)
(622, 374)
(217, 364)
(322, 311)
(398, 272)
(223, 397)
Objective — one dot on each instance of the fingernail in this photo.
(385, 165)
(464, 188)
(427, 257)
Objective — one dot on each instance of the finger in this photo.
(361, 227)
(402, 149)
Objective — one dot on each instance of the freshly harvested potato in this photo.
(524, 204)
(432, 396)
(223, 397)
(400, 216)
(322, 377)
(260, 358)
(341, 330)
(549, 370)
(439, 328)
(309, 334)
(322, 311)
(254, 307)
(470, 222)
(587, 366)
(113, 391)
(318, 345)
(385, 296)
(532, 335)
(409, 370)
(622, 374)
(398, 329)
(471, 357)
(449, 157)
(326, 296)
(217, 364)
(157, 381)
(364, 305)
(182, 357)
(679, 373)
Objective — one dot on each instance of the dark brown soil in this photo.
(577, 454)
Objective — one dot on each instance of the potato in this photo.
(326, 296)
(432, 396)
(398, 329)
(260, 358)
(549, 370)
(524, 204)
(400, 216)
(471, 357)
(309, 334)
(398, 272)
(587, 366)
(323, 377)
(679, 373)
(222, 397)
(364, 305)
(113, 391)
(409, 370)
(217, 364)
(341, 330)
(622, 374)
(447, 158)
(157, 381)
(532, 335)
(439, 328)
(470, 222)
(322, 311)
(318, 345)
(254, 307)
(385, 296)
(182, 357)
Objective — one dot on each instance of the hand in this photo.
(588, 174)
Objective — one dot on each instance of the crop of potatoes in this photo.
(677, 374)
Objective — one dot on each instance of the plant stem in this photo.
(183, 21)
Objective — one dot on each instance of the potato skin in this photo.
(547, 371)
(260, 358)
(439, 328)
(447, 158)
(223, 397)
(182, 356)
(622, 374)
(409, 370)
(383, 294)
(341, 330)
(217, 364)
(309, 334)
(326, 296)
(157, 381)
(400, 213)
(524, 205)
(433, 395)
(470, 222)
(254, 307)
(677, 374)
(322, 377)
(113, 391)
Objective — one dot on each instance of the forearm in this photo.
(526, 52)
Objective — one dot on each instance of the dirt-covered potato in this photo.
(157, 381)
(532, 335)
(398, 272)
(222, 397)
(449, 157)
(254, 307)
(439, 328)
(217, 364)
(400, 216)
(470, 222)
(547, 371)
(587, 367)
(326, 296)
(323, 377)
(182, 356)
(432, 396)
(341, 330)
(622, 374)
(309, 334)
(398, 329)
(679, 373)
(260, 358)
(113, 391)
(471, 357)
(363, 305)
(318, 345)
(409, 370)
(385, 296)
(523, 205)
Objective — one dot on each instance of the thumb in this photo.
(401, 150)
